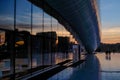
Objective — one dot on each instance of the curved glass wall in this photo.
(6, 36)
(23, 15)
(7, 14)
(37, 28)
(54, 25)
(23, 37)
(30, 39)
(47, 23)
(37, 17)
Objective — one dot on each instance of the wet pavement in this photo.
(96, 67)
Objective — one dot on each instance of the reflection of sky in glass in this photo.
(23, 18)
(54, 24)
(6, 7)
(23, 13)
(37, 20)
(47, 22)
(6, 14)
(37, 16)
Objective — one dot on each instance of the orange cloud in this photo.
(111, 35)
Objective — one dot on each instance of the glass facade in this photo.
(29, 39)
(7, 14)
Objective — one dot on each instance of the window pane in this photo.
(6, 36)
(37, 39)
(23, 15)
(23, 40)
(7, 14)
(4, 53)
(37, 20)
(47, 22)
(54, 24)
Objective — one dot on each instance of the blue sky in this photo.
(110, 20)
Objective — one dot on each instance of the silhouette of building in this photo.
(46, 41)
(63, 44)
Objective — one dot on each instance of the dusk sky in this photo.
(110, 20)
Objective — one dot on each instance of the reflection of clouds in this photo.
(54, 21)
(6, 22)
(24, 26)
(4, 19)
(36, 15)
(36, 28)
(37, 18)
(23, 22)
(23, 19)
(28, 26)
(7, 27)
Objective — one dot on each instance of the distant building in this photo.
(46, 41)
(63, 43)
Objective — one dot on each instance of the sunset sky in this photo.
(110, 20)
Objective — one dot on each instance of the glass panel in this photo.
(4, 53)
(38, 44)
(23, 37)
(37, 39)
(54, 24)
(47, 23)
(7, 14)
(23, 15)
(60, 30)
(47, 39)
(6, 36)
(37, 20)
(65, 32)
